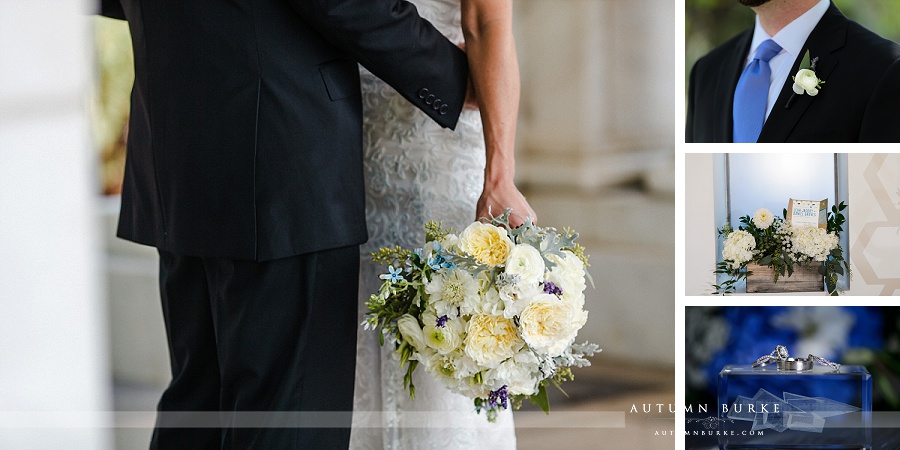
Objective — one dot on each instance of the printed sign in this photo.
(808, 212)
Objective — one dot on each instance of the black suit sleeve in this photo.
(390, 39)
(883, 111)
(689, 126)
(112, 9)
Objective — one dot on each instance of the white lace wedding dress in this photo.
(416, 171)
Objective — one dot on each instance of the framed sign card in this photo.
(807, 212)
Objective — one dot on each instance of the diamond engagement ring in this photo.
(784, 362)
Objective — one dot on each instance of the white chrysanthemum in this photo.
(763, 218)
(549, 324)
(450, 290)
(487, 243)
(491, 339)
(806, 81)
(738, 248)
(813, 242)
(520, 374)
(526, 262)
(443, 335)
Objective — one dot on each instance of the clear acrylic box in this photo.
(819, 408)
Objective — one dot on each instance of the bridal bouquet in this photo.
(492, 313)
(771, 241)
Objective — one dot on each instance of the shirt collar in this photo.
(793, 37)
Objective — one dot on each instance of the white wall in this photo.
(874, 223)
(52, 327)
(699, 223)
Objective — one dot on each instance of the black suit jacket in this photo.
(859, 102)
(245, 136)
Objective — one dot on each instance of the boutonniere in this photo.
(806, 81)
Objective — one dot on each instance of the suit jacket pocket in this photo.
(341, 78)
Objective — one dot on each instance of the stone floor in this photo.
(607, 386)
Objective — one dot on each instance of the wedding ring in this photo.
(784, 362)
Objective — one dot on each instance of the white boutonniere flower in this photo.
(806, 79)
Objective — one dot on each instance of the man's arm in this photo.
(390, 39)
(689, 123)
(883, 111)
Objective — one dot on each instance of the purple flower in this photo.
(442, 321)
(551, 288)
(498, 398)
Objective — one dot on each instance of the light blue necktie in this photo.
(752, 94)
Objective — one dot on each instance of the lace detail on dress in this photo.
(416, 171)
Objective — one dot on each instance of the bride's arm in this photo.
(494, 69)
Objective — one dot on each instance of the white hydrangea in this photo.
(814, 242)
(763, 218)
(520, 374)
(738, 248)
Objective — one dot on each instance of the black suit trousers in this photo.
(252, 344)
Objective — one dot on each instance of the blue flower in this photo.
(442, 321)
(551, 288)
(394, 275)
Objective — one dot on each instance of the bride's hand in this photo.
(496, 198)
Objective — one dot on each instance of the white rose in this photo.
(763, 218)
(491, 339)
(520, 374)
(486, 243)
(549, 324)
(806, 81)
(526, 262)
(411, 331)
(442, 338)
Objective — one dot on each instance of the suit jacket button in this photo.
(423, 92)
(444, 109)
(430, 99)
(437, 104)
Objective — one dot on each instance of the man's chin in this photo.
(753, 3)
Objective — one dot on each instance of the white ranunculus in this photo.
(491, 339)
(763, 218)
(442, 339)
(526, 262)
(568, 274)
(520, 374)
(516, 297)
(549, 324)
(486, 243)
(452, 289)
(411, 331)
(738, 248)
(806, 81)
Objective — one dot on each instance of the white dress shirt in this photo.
(791, 39)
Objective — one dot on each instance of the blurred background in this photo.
(708, 23)
(82, 330)
(864, 336)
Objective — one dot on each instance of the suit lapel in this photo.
(827, 37)
(729, 73)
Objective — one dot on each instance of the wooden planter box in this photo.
(805, 279)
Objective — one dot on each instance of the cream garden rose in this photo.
(806, 81)
(491, 339)
(487, 243)
(549, 324)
